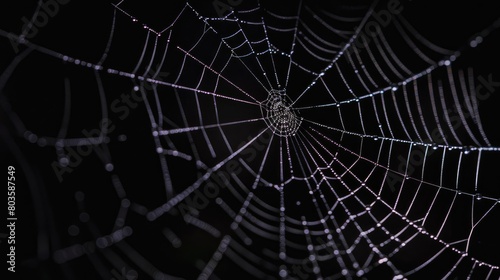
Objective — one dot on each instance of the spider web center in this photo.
(279, 116)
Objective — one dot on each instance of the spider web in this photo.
(257, 140)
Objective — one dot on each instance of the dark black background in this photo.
(46, 208)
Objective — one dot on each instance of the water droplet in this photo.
(64, 161)
(109, 167)
(32, 138)
(479, 196)
(467, 150)
(282, 255)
